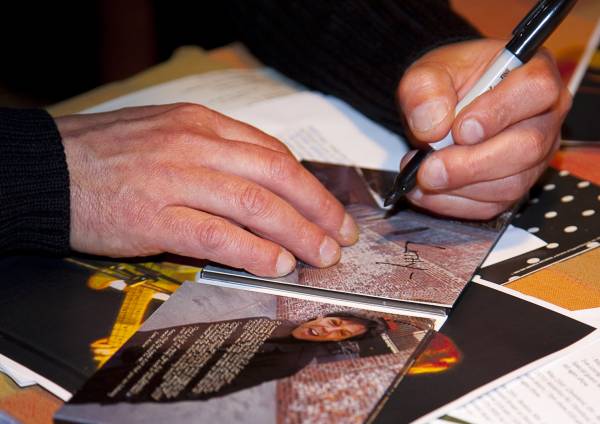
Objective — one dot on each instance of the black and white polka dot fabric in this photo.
(562, 210)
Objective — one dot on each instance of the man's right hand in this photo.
(185, 179)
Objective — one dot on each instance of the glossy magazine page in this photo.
(62, 318)
(226, 355)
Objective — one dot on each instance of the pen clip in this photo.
(531, 16)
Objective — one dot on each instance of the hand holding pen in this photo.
(503, 138)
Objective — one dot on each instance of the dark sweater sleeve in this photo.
(356, 49)
(34, 183)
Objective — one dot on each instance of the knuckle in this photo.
(534, 141)
(462, 169)
(191, 117)
(418, 78)
(496, 114)
(213, 234)
(282, 167)
(186, 109)
(422, 76)
(273, 143)
(259, 255)
(160, 170)
(310, 238)
(256, 201)
(513, 188)
(546, 82)
(326, 206)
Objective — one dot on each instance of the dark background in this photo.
(54, 50)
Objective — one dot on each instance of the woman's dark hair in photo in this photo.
(374, 326)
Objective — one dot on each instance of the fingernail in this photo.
(415, 195)
(471, 131)
(329, 252)
(428, 115)
(285, 263)
(349, 230)
(435, 174)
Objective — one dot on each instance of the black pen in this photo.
(528, 36)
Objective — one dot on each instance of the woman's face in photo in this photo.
(329, 329)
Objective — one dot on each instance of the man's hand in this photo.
(503, 139)
(187, 180)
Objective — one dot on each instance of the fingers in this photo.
(516, 149)
(503, 190)
(503, 139)
(281, 174)
(527, 91)
(255, 208)
(457, 206)
(427, 98)
(198, 234)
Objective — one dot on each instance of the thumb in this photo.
(428, 98)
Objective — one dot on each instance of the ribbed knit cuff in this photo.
(34, 183)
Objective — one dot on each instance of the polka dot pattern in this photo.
(566, 199)
(583, 184)
(561, 211)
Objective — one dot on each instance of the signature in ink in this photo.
(410, 257)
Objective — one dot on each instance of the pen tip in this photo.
(393, 197)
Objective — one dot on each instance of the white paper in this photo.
(23, 376)
(219, 90)
(566, 391)
(589, 316)
(449, 409)
(316, 129)
(514, 242)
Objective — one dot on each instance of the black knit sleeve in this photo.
(355, 49)
(34, 183)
